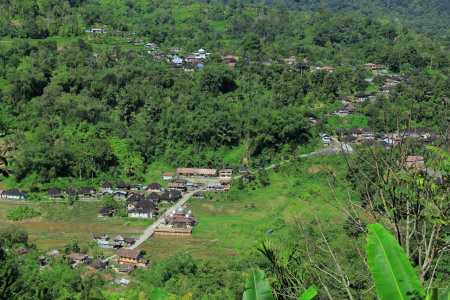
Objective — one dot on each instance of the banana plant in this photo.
(258, 288)
(391, 270)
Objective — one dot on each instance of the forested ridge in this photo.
(131, 111)
(423, 16)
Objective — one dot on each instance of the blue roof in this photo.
(200, 65)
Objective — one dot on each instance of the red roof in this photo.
(168, 174)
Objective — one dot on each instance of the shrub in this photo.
(22, 212)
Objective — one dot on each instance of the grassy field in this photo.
(60, 223)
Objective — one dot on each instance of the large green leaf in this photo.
(390, 268)
(445, 295)
(309, 294)
(257, 287)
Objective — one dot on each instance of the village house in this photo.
(367, 133)
(347, 110)
(55, 193)
(125, 241)
(142, 209)
(108, 244)
(152, 46)
(133, 257)
(71, 192)
(170, 196)
(14, 194)
(122, 185)
(135, 187)
(176, 49)
(79, 259)
(342, 132)
(373, 66)
(177, 60)
(98, 265)
(189, 172)
(230, 58)
(190, 58)
(154, 197)
(100, 237)
(384, 89)
(361, 97)
(218, 187)
(325, 139)
(154, 187)
(179, 222)
(177, 186)
(415, 161)
(87, 191)
(354, 131)
(167, 176)
(105, 212)
(199, 195)
(328, 69)
(106, 186)
(292, 60)
(120, 194)
(226, 173)
(187, 67)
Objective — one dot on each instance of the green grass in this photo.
(60, 223)
(155, 170)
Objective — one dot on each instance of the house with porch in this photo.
(55, 193)
(14, 194)
(133, 257)
(105, 212)
(142, 209)
(170, 196)
(226, 173)
(167, 176)
(177, 186)
(154, 187)
(106, 186)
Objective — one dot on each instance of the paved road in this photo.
(150, 230)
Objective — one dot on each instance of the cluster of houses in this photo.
(358, 136)
(103, 241)
(142, 201)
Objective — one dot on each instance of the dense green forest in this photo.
(422, 16)
(78, 108)
(115, 114)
